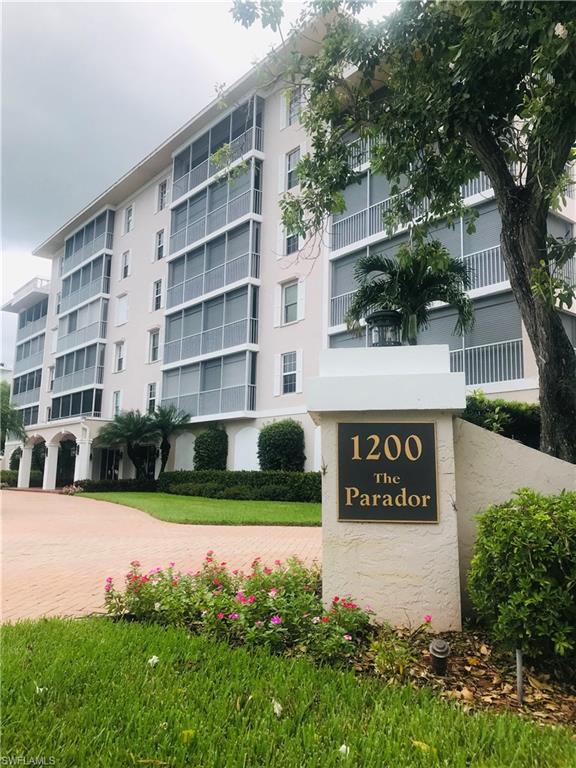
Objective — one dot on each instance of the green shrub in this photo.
(97, 486)
(281, 446)
(9, 477)
(211, 449)
(522, 579)
(283, 486)
(518, 421)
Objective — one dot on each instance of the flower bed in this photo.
(280, 608)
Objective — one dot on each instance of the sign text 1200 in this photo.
(392, 448)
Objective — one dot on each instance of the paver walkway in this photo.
(58, 550)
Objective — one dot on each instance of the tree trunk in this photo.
(523, 241)
(164, 453)
(136, 459)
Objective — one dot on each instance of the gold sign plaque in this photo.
(387, 473)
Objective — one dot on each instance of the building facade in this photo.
(179, 285)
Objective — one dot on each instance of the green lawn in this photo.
(193, 509)
(84, 693)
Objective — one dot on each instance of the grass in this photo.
(197, 510)
(84, 693)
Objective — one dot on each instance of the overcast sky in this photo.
(88, 89)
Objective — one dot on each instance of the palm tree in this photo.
(419, 275)
(168, 421)
(11, 425)
(134, 430)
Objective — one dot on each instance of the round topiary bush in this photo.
(522, 579)
(211, 449)
(281, 446)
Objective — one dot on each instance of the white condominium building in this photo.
(179, 285)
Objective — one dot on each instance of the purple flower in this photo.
(233, 615)
(276, 620)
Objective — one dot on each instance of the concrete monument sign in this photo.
(389, 524)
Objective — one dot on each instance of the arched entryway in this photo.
(66, 462)
(30, 459)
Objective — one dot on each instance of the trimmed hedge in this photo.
(10, 477)
(211, 449)
(95, 486)
(272, 486)
(281, 446)
(522, 579)
(518, 421)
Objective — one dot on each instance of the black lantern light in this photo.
(439, 653)
(384, 328)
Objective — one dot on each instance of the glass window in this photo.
(129, 219)
(122, 309)
(176, 271)
(153, 345)
(291, 244)
(213, 313)
(189, 380)
(294, 99)
(116, 402)
(211, 374)
(292, 160)
(179, 216)
(192, 321)
(162, 195)
(238, 242)
(119, 361)
(125, 266)
(157, 295)
(151, 398)
(234, 371)
(288, 372)
(290, 302)
(160, 245)
(182, 164)
(174, 327)
(215, 252)
(236, 305)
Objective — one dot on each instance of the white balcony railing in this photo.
(30, 329)
(100, 285)
(226, 400)
(488, 363)
(82, 336)
(339, 306)
(77, 379)
(242, 204)
(234, 334)
(25, 398)
(100, 243)
(486, 267)
(27, 363)
(247, 265)
(251, 139)
(36, 285)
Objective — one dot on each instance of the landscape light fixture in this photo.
(384, 328)
(439, 652)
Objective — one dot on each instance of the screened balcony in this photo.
(83, 325)
(220, 262)
(215, 207)
(29, 354)
(95, 236)
(32, 319)
(85, 403)
(221, 385)
(91, 280)
(79, 379)
(26, 388)
(233, 137)
(78, 369)
(227, 321)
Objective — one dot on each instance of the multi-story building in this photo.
(179, 285)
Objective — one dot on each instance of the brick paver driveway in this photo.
(58, 550)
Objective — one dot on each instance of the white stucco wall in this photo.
(489, 469)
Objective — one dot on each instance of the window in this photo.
(162, 195)
(153, 345)
(151, 397)
(288, 373)
(122, 309)
(290, 302)
(159, 245)
(125, 266)
(50, 378)
(291, 244)
(129, 219)
(119, 357)
(293, 105)
(116, 403)
(292, 160)
(157, 295)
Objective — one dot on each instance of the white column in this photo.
(83, 465)
(50, 467)
(25, 466)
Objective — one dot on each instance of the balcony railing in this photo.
(251, 139)
(30, 329)
(487, 267)
(365, 223)
(247, 265)
(86, 414)
(476, 186)
(339, 306)
(77, 379)
(32, 361)
(100, 285)
(230, 335)
(25, 398)
(100, 243)
(488, 363)
(226, 400)
(246, 202)
(82, 336)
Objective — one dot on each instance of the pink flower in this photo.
(135, 563)
(277, 562)
(267, 571)
(273, 592)
(109, 580)
(171, 565)
(336, 599)
(347, 637)
(233, 615)
(276, 620)
(259, 623)
(235, 571)
(220, 615)
(210, 552)
(427, 618)
(251, 599)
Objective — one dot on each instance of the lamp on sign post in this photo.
(384, 328)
